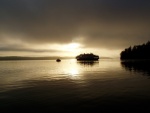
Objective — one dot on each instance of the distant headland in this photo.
(32, 58)
(136, 52)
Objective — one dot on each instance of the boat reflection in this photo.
(137, 66)
(88, 63)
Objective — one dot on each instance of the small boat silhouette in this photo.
(58, 60)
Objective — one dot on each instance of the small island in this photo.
(88, 56)
(136, 52)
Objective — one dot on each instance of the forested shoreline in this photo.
(136, 52)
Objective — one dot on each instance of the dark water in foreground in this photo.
(74, 87)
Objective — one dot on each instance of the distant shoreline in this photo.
(31, 58)
(7, 58)
(136, 52)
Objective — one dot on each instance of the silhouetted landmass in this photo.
(137, 66)
(32, 58)
(136, 52)
(88, 56)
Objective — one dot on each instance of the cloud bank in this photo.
(94, 23)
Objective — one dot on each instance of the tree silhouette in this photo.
(136, 52)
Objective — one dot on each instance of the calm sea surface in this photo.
(74, 87)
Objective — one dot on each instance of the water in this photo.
(74, 87)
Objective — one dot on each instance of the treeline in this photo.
(136, 52)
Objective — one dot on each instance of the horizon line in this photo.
(41, 57)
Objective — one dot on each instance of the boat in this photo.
(58, 60)
(88, 57)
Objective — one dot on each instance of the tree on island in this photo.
(136, 52)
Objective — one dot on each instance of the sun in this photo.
(71, 47)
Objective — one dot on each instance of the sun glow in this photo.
(71, 47)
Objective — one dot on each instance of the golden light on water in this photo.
(73, 72)
(71, 68)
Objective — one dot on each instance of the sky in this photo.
(71, 27)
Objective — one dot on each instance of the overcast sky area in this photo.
(49, 27)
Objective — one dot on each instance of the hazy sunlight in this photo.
(71, 47)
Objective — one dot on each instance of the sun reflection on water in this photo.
(71, 69)
(73, 72)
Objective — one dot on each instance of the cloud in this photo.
(14, 49)
(102, 23)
